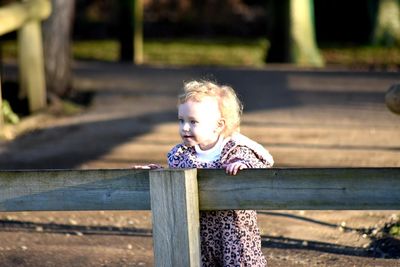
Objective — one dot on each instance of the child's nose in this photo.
(186, 127)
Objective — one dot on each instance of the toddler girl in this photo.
(209, 121)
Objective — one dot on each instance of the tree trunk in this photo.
(57, 32)
(131, 31)
(303, 48)
(279, 23)
(293, 34)
(387, 23)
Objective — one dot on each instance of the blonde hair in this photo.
(229, 104)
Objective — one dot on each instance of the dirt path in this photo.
(326, 118)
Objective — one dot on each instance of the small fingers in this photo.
(155, 166)
(229, 169)
(147, 167)
(233, 168)
(140, 167)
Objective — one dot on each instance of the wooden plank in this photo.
(14, 15)
(342, 189)
(31, 65)
(308, 189)
(175, 209)
(68, 190)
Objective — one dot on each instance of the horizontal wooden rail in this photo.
(14, 15)
(68, 190)
(309, 189)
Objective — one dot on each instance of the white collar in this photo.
(211, 154)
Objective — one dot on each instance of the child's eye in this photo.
(180, 120)
(193, 122)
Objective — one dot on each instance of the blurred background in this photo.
(307, 58)
(312, 76)
(360, 34)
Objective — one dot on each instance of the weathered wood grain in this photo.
(309, 189)
(341, 189)
(69, 190)
(175, 209)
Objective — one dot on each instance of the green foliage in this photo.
(362, 56)
(8, 113)
(70, 108)
(8, 50)
(232, 52)
(224, 52)
(104, 50)
(395, 230)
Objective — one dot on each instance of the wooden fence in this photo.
(176, 196)
(26, 17)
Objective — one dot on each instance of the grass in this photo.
(358, 56)
(181, 52)
(224, 52)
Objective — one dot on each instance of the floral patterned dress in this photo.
(228, 237)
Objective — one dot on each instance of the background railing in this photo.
(26, 17)
(176, 196)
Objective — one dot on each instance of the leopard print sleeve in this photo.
(174, 156)
(247, 156)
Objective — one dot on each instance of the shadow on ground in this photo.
(384, 247)
(66, 147)
(329, 96)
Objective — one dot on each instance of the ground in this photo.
(306, 118)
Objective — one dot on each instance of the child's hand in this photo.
(147, 167)
(233, 168)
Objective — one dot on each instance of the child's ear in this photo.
(221, 124)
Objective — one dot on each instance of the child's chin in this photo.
(189, 143)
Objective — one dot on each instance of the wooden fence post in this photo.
(175, 209)
(25, 17)
(32, 76)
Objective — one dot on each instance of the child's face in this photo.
(200, 123)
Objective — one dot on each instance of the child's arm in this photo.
(243, 157)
